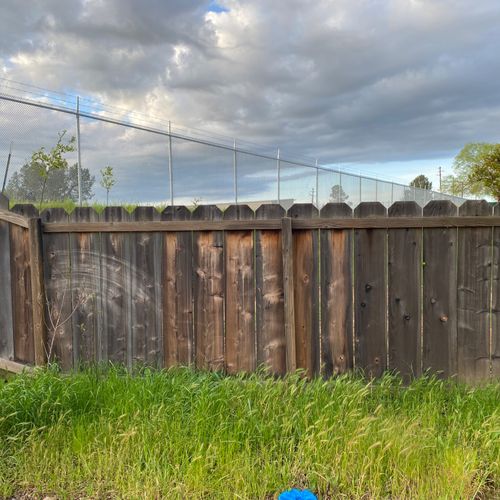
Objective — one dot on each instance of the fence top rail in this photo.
(238, 225)
(13, 218)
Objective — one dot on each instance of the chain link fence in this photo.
(155, 162)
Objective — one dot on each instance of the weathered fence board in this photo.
(208, 268)
(240, 294)
(6, 321)
(306, 286)
(270, 321)
(57, 269)
(473, 299)
(336, 294)
(145, 272)
(86, 289)
(495, 300)
(178, 340)
(37, 290)
(22, 311)
(440, 293)
(116, 304)
(370, 291)
(404, 293)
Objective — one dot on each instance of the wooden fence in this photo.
(328, 292)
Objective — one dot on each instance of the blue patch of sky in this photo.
(214, 6)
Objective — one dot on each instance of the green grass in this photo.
(183, 434)
(70, 205)
(5, 376)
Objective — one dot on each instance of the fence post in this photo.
(317, 185)
(170, 165)
(278, 166)
(6, 175)
(37, 289)
(235, 173)
(78, 151)
(288, 291)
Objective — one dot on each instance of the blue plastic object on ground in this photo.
(297, 495)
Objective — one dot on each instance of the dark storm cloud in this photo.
(340, 80)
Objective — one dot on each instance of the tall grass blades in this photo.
(184, 434)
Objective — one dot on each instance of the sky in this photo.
(392, 88)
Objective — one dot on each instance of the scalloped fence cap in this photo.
(296, 494)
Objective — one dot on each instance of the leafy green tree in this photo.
(421, 182)
(107, 180)
(461, 183)
(48, 176)
(486, 171)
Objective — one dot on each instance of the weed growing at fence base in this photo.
(183, 434)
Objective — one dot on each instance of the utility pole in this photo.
(440, 179)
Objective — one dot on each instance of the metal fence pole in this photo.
(278, 166)
(235, 174)
(170, 165)
(392, 193)
(7, 168)
(360, 199)
(78, 148)
(317, 185)
(339, 196)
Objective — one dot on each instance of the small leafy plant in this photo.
(47, 162)
(107, 181)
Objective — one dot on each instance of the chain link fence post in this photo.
(7, 168)
(278, 166)
(235, 172)
(317, 185)
(170, 164)
(78, 148)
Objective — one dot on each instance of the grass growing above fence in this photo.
(70, 205)
(182, 434)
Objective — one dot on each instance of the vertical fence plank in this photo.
(271, 348)
(144, 272)
(440, 293)
(6, 325)
(240, 293)
(306, 285)
(370, 293)
(473, 300)
(178, 340)
(208, 268)
(289, 294)
(86, 289)
(404, 293)
(495, 300)
(336, 293)
(115, 269)
(22, 311)
(57, 269)
(37, 291)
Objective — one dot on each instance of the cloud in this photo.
(342, 81)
